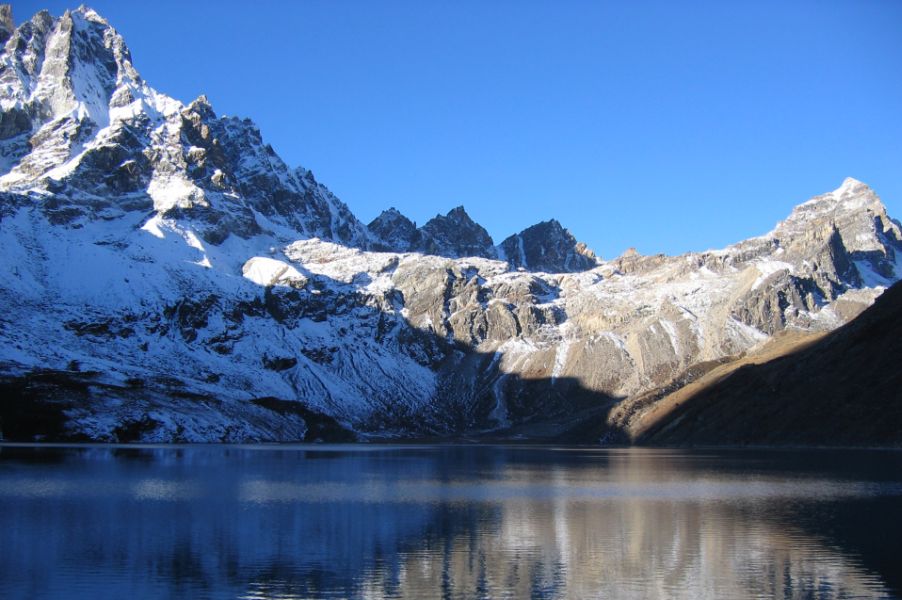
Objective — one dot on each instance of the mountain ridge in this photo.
(165, 263)
(114, 108)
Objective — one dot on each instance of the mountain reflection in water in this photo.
(448, 522)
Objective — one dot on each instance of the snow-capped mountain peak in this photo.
(73, 68)
(177, 280)
(854, 210)
(81, 125)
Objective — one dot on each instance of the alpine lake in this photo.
(448, 521)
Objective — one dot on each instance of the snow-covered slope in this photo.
(166, 276)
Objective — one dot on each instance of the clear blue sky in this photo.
(668, 126)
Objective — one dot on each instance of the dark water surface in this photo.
(447, 522)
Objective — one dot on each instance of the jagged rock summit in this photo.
(165, 276)
(456, 235)
(86, 137)
(393, 232)
(547, 246)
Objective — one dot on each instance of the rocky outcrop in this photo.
(393, 232)
(456, 235)
(547, 247)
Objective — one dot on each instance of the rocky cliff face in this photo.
(393, 232)
(456, 235)
(167, 277)
(548, 247)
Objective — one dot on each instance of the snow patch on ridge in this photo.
(766, 268)
(269, 271)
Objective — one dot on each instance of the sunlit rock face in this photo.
(81, 128)
(173, 273)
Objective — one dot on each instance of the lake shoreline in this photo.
(410, 443)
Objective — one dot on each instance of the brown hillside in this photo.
(844, 388)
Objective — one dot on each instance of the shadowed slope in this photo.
(843, 389)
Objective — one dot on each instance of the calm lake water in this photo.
(447, 522)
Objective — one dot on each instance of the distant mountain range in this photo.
(166, 277)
